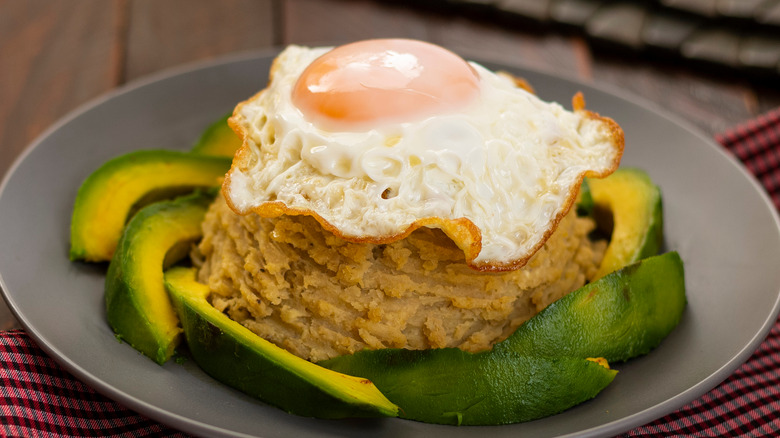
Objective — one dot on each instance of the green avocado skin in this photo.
(137, 306)
(585, 204)
(267, 380)
(541, 369)
(450, 386)
(623, 315)
(237, 357)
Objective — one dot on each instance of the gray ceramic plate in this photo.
(716, 216)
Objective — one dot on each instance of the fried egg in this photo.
(377, 138)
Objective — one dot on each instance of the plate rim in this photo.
(191, 425)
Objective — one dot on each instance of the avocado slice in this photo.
(627, 205)
(584, 202)
(551, 363)
(218, 139)
(138, 308)
(234, 355)
(110, 195)
(625, 314)
(451, 386)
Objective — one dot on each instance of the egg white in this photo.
(509, 163)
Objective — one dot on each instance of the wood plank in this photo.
(768, 98)
(711, 103)
(324, 22)
(317, 22)
(55, 56)
(167, 33)
(540, 50)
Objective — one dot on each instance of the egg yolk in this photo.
(374, 82)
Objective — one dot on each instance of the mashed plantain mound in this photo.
(318, 296)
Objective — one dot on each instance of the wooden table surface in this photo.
(57, 55)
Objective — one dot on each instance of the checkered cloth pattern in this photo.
(40, 399)
(757, 144)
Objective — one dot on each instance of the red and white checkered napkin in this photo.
(39, 398)
(757, 144)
